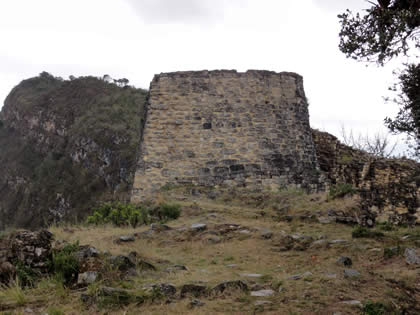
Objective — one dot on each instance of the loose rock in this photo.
(411, 257)
(87, 278)
(230, 286)
(262, 293)
(198, 227)
(196, 303)
(345, 261)
(127, 238)
(351, 273)
(195, 290)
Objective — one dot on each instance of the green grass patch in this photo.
(363, 232)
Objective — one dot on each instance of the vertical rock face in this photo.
(65, 146)
(226, 128)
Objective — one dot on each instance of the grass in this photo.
(210, 264)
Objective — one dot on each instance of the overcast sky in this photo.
(136, 39)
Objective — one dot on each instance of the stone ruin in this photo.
(227, 128)
(233, 129)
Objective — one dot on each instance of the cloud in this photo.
(338, 6)
(180, 11)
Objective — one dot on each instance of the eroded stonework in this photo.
(226, 128)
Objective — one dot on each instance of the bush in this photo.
(167, 211)
(376, 308)
(390, 252)
(119, 214)
(26, 276)
(65, 264)
(361, 231)
(386, 226)
(341, 190)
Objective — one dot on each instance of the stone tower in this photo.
(226, 128)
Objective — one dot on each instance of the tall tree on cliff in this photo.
(388, 29)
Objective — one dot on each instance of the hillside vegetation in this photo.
(66, 145)
(230, 252)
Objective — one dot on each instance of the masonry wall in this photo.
(226, 128)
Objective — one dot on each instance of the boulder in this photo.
(344, 261)
(351, 273)
(229, 286)
(194, 290)
(87, 278)
(411, 256)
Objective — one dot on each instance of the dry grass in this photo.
(210, 264)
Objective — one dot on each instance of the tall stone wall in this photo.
(226, 128)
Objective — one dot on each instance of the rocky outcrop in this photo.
(66, 145)
(389, 188)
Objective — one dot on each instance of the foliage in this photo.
(120, 214)
(65, 264)
(374, 308)
(26, 276)
(408, 98)
(12, 294)
(380, 34)
(55, 311)
(390, 252)
(341, 190)
(167, 211)
(363, 232)
(387, 30)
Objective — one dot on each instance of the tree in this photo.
(378, 145)
(389, 29)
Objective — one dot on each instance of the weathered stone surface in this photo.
(230, 286)
(287, 242)
(167, 289)
(411, 256)
(86, 251)
(226, 128)
(389, 188)
(126, 238)
(344, 261)
(195, 290)
(87, 278)
(122, 263)
(351, 273)
(198, 227)
(32, 249)
(262, 293)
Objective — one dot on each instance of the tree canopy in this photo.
(389, 28)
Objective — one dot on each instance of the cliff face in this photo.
(389, 188)
(226, 128)
(66, 145)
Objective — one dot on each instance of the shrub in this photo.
(26, 276)
(386, 226)
(120, 214)
(390, 252)
(377, 308)
(361, 231)
(65, 264)
(341, 190)
(167, 211)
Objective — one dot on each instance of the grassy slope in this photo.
(389, 281)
